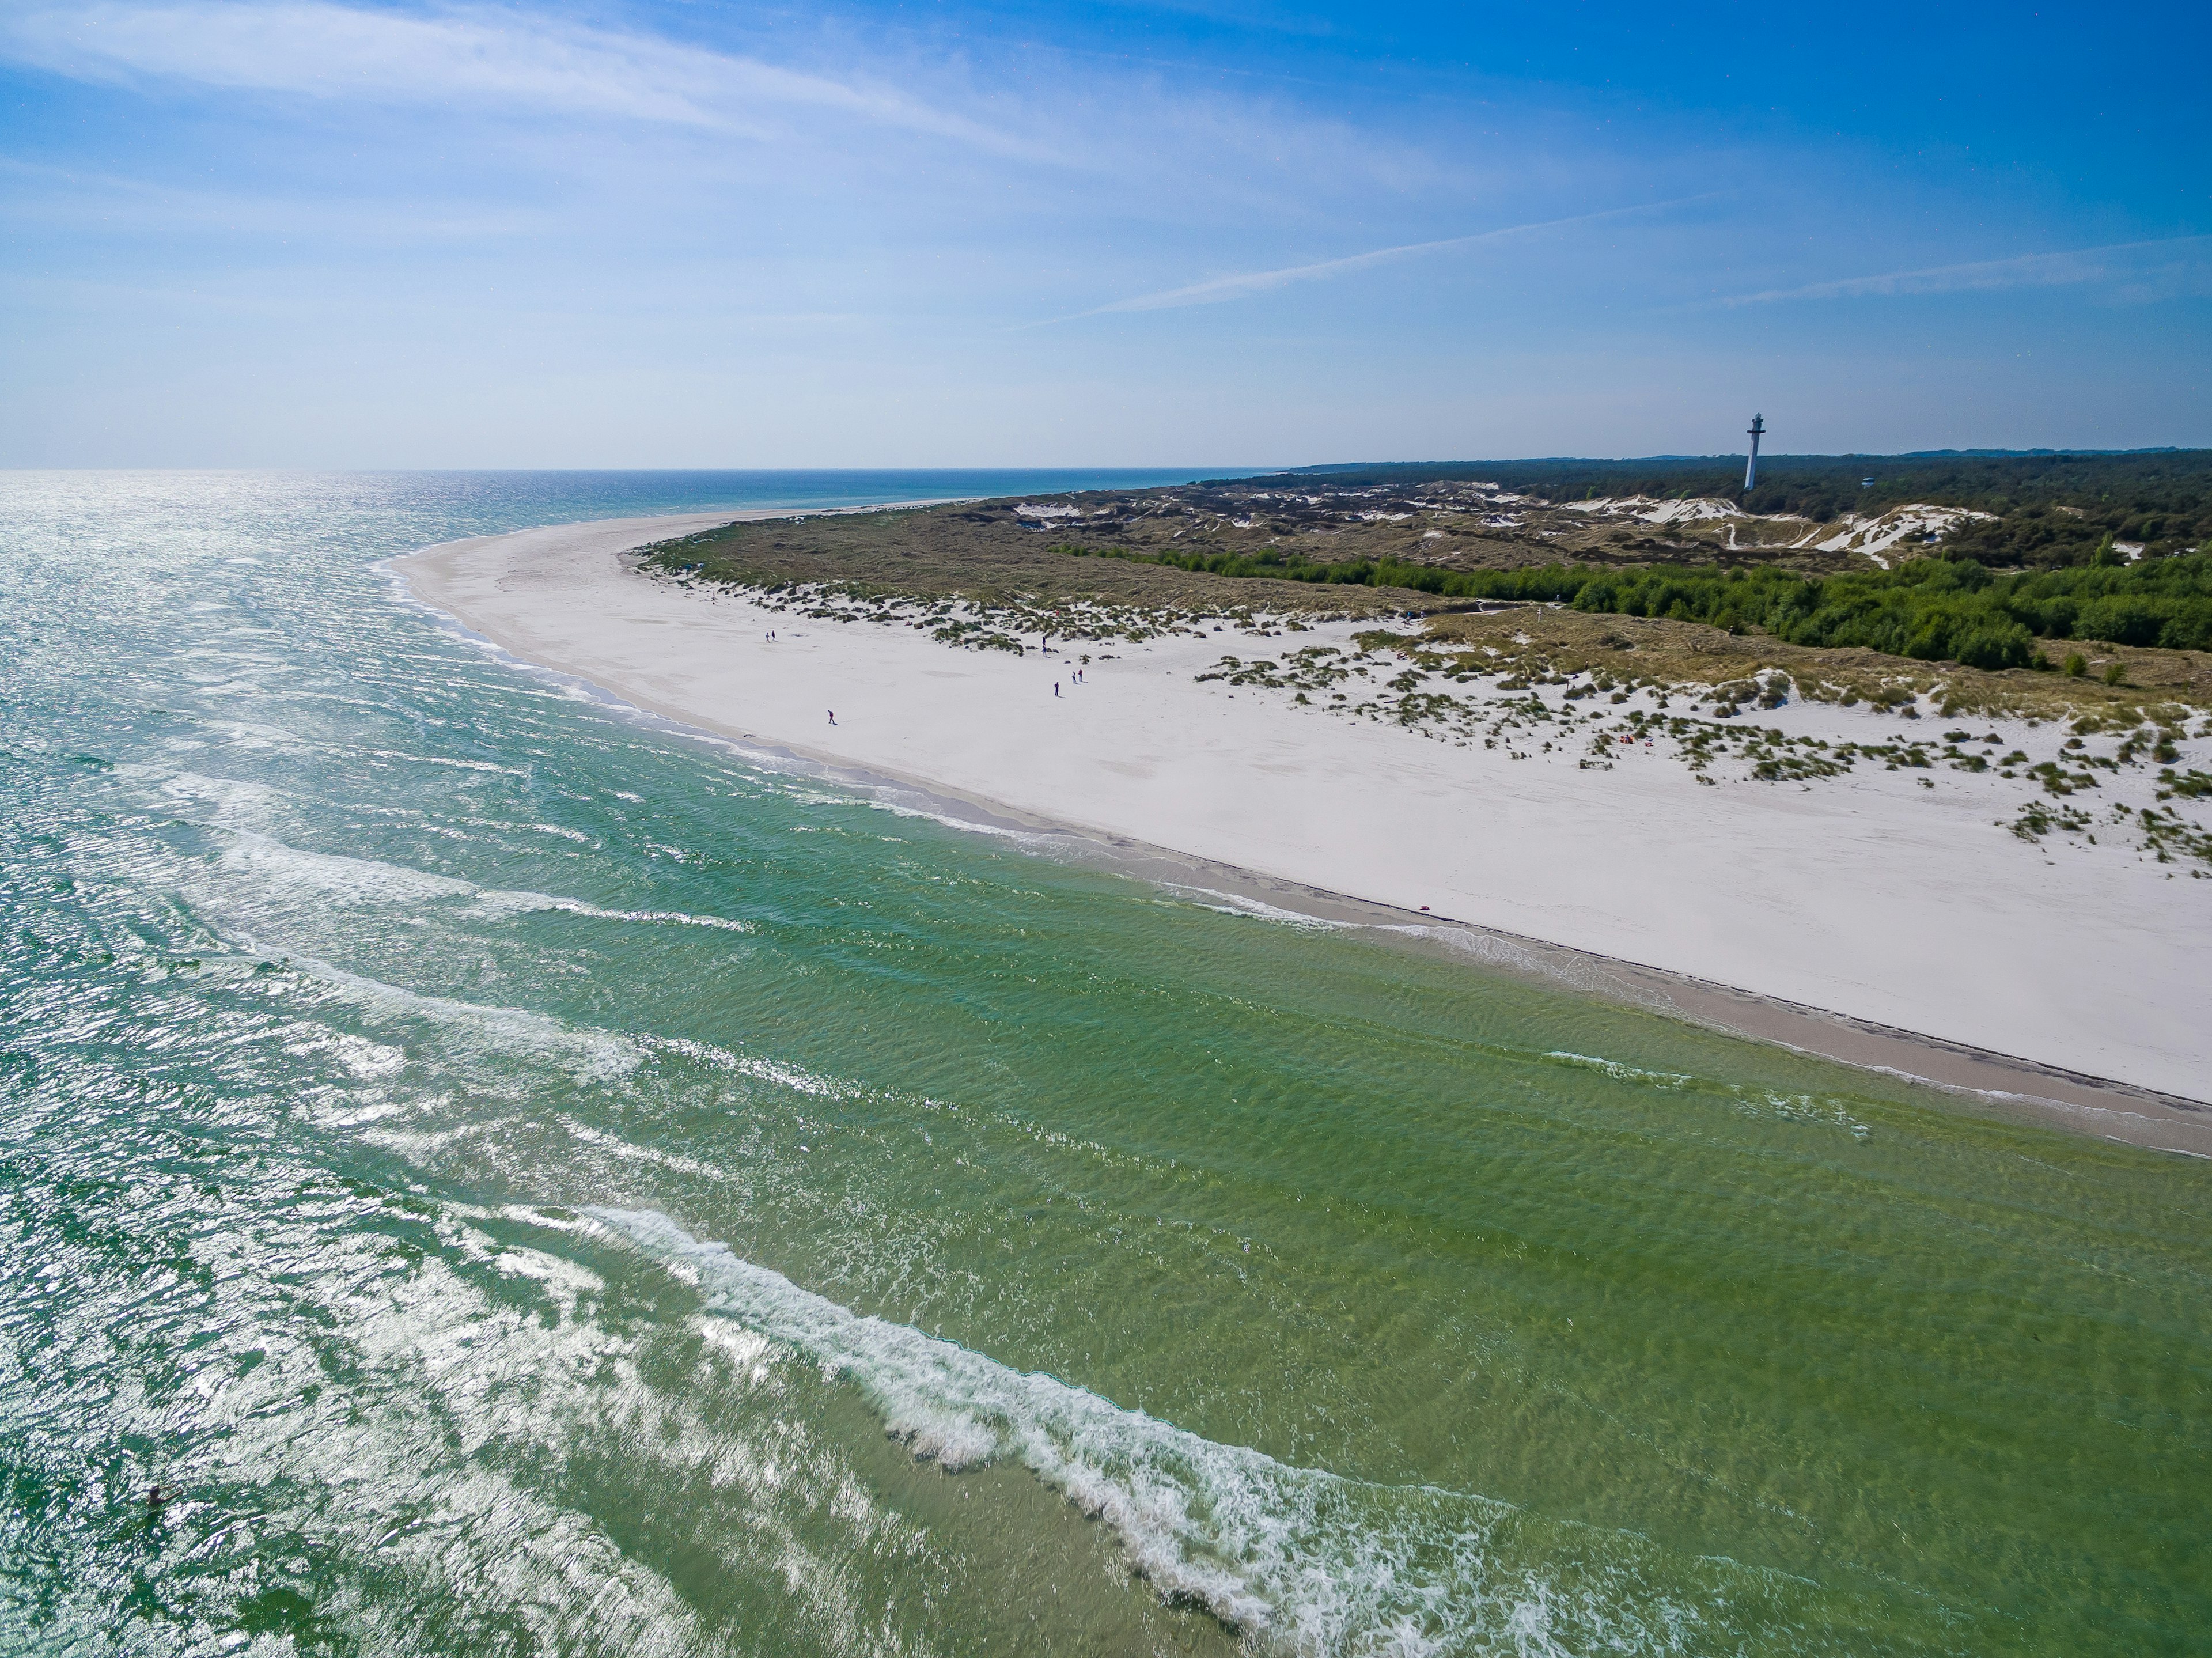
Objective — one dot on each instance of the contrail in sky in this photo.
(1260, 282)
(2022, 270)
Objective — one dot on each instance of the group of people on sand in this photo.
(1074, 678)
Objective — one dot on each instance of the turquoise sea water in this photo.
(530, 1182)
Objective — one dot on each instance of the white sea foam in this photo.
(1577, 973)
(496, 902)
(229, 795)
(357, 882)
(1236, 903)
(1300, 1560)
(1802, 1108)
(1034, 839)
(588, 1055)
(792, 1076)
(1467, 941)
(1619, 1072)
(445, 760)
(252, 734)
(350, 881)
(630, 1151)
(1824, 1108)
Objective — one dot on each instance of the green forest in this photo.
(2050, 509)
(1946, 609)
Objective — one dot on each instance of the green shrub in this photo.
(1994, 644)
(1936, 609)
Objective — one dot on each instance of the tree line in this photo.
(2046, 508)
(1941, 609)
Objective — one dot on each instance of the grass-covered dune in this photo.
(1995, 565)
(2047, 508)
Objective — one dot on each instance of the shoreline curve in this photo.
(494, 579)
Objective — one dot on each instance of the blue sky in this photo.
(340, 232)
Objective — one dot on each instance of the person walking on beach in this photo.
(833, 716)
(1055, 688)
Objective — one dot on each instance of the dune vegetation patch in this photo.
(1679, 588)
(2157, 685)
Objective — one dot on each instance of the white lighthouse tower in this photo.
(1758, 429)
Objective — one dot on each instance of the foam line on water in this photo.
(1036, 840)
(1300, 1560)
(352, 881)
(1828, 1108)
(364, 881)
(493, 899)
(233, 797)
(1620, 1072)
(1495, 952)
(589, 1056)
(448, 760)
(630, 1151)
(1236, 903)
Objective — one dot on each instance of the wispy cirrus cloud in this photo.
(1246, 285)
(91, 199)
(496, 58)
(2119, 262)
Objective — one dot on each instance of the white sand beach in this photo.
(1871, 896)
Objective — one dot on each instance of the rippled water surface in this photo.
(528, 1182)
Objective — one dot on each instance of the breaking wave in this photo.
(1830, 1109)
(361, 881)
(1299, 1560)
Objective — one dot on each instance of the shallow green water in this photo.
(529, 1182)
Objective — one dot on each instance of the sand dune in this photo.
(1870, 896)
